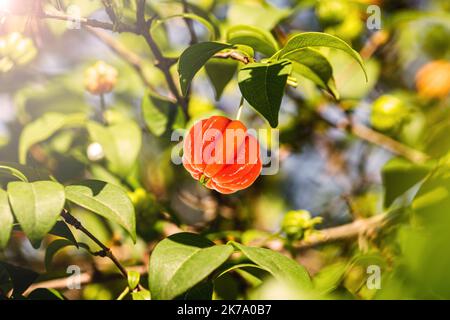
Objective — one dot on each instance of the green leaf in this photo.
(318, 39)
(21, 278)
(60, 229)
(263, 84)
(22, 172)
(399, 175)
(45, 294)
(314, 66)
(105, 199)
(141, 295)
(260, 14)
(36, 205)
(181, 261)
(202, 291)
(10, 170)
(121, 144)
(220, 72)
(260, 40)
(191, 16)
(133, 279)
(6, 219)
(281, 267)
(52, 250)
(44, 127)
(159, 113)
(193, 58)
(329, 277)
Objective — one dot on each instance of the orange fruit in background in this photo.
(100, 78)
(433, 79)
(221, 154)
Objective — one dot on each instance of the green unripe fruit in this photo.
(388, 111)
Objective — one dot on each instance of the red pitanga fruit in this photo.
(221, 154)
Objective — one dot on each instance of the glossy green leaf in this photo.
(105, 199)
(21, 278)
(260, 40)
(60, 229)
(399, 175)
(44, 127)
(6, 219)
(280, 266)
(314, 66)
(36, 205)
(318, 39)
(52, 250)
(181, 261)
(263, 84)
(121, 144)
(195, 57)
(220, 72)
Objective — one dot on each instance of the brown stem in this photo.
(123, 52)
(106, 252)
(346, 231)
(372, 136)
(90, 22)
(189, 23)
(162, 62)
(85, 278)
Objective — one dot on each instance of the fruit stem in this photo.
(103, 108)
(241, 106)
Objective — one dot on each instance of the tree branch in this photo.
(84, 279)
(343, 232)
(123, 52)
(189, 23)
(361, 131)
(162, 62)
(89, 22)
(106, 252)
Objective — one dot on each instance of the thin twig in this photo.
(106, 252)
(84, 279)
(89, 22)
(189, 23)
(372, 136)
(346, 231)
(127, 55)
(161, 62)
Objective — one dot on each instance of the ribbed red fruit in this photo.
(221, 154)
